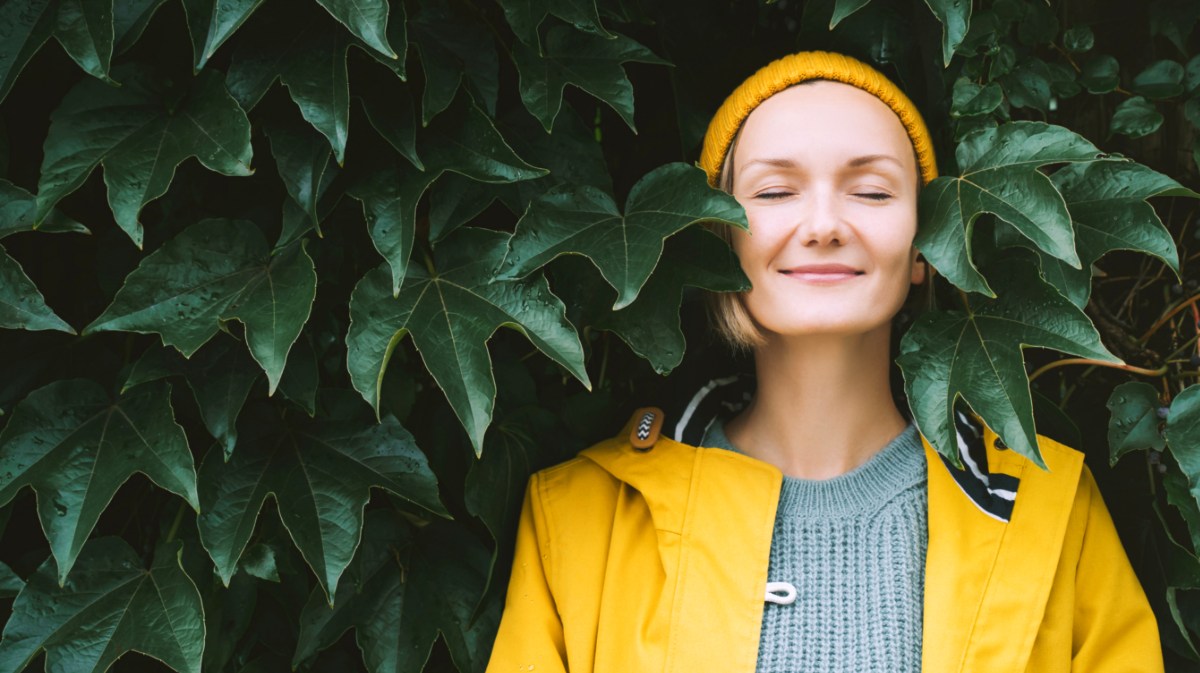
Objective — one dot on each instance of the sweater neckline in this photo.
(896, 467)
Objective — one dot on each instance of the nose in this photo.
(821, 222)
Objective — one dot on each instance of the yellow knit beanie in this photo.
(792, 69)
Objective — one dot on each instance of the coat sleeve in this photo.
(1114, 628)
(530, 637)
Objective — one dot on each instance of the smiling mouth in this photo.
(822, 276)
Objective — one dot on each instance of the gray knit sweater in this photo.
(853, 546)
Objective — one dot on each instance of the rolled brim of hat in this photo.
(799, 67)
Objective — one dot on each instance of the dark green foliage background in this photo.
(331, 235)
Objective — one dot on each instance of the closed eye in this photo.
(772, 195)
(875, 196)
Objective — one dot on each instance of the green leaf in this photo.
(85, 30)
(310, 60)
(22, 305)
(129, 20)
(212, 22)
(694, 257)
(844, 8)
(977, 356)
(25, 25)
(220, 377)
(1135, 117)
(1000, 175)
(1191, 75)
(955, 16)
(1107, 202)
(367, 19)
(408, 591)
(215, 271)
(18, 211)
(320, 473)
(1100, 74)
(10, 583)
(587, 61)
(1161, 79)
(301, 378)
(259, 561)
(140, 136)
(1133, 420)
(973, 100)
(108, 607)
(1078, 39)
(462, 140)
(451, 310)
(1028, 85)
(1183, 435)
(75, 447)
(525, 16)
(304, 162)
(625, 248)
(1175, 483)
(453, 50)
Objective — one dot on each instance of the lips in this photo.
(822, 271)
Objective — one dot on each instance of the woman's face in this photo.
(828, 179)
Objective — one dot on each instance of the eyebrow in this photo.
(856, 162)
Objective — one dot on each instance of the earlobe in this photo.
(918, 271)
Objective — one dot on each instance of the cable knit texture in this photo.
(854, 548)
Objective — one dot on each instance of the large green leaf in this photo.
(18, 212)
(22, 305)
(525, 16)
(10, 583)
(451, 310)
(75, 447)
(85, 30)
(215, 271)
(462, 140)
(977, 356)
(650, 325)
(305, 51)
(320, 473)
(588, 61)
(1107, 202)
(569, 151)
(25, 25)
(305, 164)
(1000, 175)
(843, 9)
(955, 16)
(140, 131)
(129, 21)
(1183, 435)
(220, 376)
(625, 248)
(367, 19)
(408, 588)
(108, 607)
(1133, 423)
(211, 22)
(454, 51)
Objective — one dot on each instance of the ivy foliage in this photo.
(281, 267)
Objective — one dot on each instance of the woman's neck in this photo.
(823, 405)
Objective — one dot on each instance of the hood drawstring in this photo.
(788, 589)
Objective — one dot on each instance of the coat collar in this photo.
(987, 579)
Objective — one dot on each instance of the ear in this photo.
(918, 268)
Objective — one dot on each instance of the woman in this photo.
(818, 531)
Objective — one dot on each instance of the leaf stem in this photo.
(1170, 314)
(1161, 371)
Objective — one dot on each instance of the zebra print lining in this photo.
(993, 493)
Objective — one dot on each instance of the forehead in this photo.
(823, 118)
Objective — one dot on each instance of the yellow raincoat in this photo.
(655, 559)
